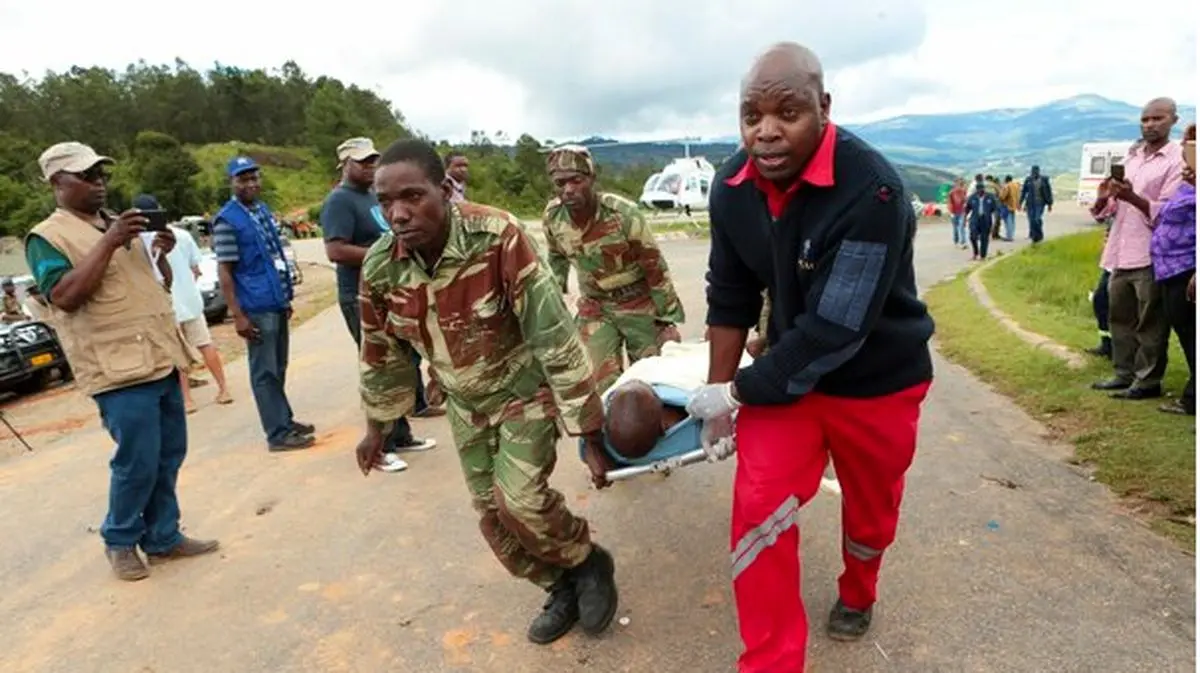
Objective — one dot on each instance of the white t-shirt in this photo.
(680, 365)
(185, 295)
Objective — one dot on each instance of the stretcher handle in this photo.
(664, 465)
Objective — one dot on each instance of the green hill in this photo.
(293, 178)
(922, 180)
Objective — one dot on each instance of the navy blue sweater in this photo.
(838, 266)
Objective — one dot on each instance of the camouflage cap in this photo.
(575, 158)
(357, 149)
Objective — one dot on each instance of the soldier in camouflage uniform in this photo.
(627, 296)
(464, 285)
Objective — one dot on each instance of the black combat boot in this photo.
(846, 624)
(559, 614)
(596, 589)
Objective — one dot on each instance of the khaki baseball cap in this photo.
(70, 157)
(356, 149)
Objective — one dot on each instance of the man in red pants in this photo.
(820, 219)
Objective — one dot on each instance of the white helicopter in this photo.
(684, 184)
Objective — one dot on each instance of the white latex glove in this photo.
(711, 401)
(717, 437)
(722, 449)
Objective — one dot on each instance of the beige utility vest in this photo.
(125, 334)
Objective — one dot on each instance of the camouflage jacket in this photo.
(615, 256)
(489, 319)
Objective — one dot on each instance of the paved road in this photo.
(323, 570)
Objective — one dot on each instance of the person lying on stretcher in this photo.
(645, 417)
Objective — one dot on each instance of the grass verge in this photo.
(1147, 457)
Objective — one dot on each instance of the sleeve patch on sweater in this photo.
(851, 285)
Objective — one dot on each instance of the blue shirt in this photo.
(352, 215)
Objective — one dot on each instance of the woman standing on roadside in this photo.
(1173, 254)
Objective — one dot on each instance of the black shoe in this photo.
(1104, 350)
(558, 616)
(303, 428)
(293, 441)
(416, 444)
(596, 589)
(846, 624)
(1147, 393)
(1111, 384)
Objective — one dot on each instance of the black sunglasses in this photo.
(95, 174)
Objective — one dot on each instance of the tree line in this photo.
(154, 118)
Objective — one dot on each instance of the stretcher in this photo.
(679, 446)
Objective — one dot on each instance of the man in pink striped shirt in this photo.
(1137, 321)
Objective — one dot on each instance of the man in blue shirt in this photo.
(351, 221)
(1036, 197)
(257, 286)
(982, 208)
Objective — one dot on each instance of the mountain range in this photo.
(930, 149)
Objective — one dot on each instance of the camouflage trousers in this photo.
(611, 337)
(526, 523)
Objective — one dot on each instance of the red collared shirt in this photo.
(818, 172)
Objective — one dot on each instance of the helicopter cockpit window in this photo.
(669, 183)
(704, 186)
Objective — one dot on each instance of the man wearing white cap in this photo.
(117, 326)
(351, 221)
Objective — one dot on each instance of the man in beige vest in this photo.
(117, 326)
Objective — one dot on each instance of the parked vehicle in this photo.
(1095, 165)
(30, 352)
(215, 308)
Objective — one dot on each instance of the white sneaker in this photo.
(418, 444)
(390, 462)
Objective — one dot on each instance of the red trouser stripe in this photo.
(782, 452)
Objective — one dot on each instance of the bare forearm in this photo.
(1139, 202)
(165, 269)
(725, 346)
(341, 252)
(225, 275)
(81, 282)
(384, 428)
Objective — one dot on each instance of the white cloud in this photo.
(631, 68)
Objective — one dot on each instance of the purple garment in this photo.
(1173, 243)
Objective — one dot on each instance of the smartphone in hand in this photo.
(156, 220)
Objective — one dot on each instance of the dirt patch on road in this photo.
(45, 417)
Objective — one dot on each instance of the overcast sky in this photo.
(637, 68)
